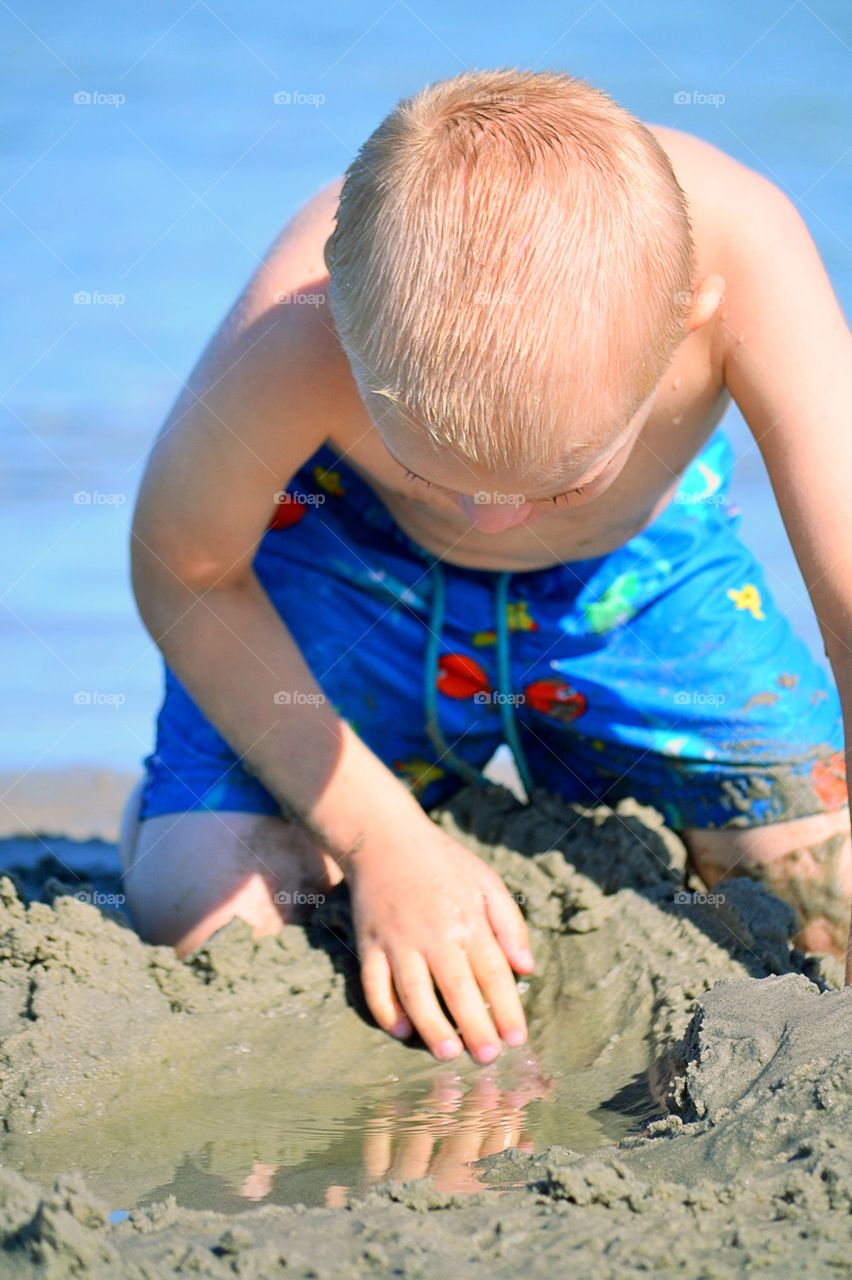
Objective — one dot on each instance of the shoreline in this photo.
(80, 802)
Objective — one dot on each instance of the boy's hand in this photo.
(429, 913)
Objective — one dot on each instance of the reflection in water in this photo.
(438, 1137)
(438, 1133)
(319, 1144)
(583, 1087)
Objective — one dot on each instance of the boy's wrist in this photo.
(355, 841)
(364, 809)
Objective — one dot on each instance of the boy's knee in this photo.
(191, 873)
(725, 850)
(805, 861)
(129, 825)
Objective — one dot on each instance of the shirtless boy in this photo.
(449, 474)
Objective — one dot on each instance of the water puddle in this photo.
(399, 1133)
(268, 1120)
(323, 1143)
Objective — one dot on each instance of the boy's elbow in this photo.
(164, 566)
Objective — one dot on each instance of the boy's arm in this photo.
(254, 409)
(788, 363)
(257, 406)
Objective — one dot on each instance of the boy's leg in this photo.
(187, 874)
(666, 672)
(806, 861)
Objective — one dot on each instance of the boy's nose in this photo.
(494, 517)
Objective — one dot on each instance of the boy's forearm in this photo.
(236, 658)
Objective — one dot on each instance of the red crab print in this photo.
(556, 698)
(460, 676)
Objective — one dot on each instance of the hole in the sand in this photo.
(251, 1109)
(316, 1148)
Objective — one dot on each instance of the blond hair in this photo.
(511, 265)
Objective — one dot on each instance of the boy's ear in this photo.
(706, 301)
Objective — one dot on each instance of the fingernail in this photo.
(486, 1053)
(515, 1037)
(401, 1029)
(525, 959)
(448, 1049)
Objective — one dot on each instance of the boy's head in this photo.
(511, 272)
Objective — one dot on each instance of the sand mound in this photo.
(115, 1053)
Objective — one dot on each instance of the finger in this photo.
(496, 981)
(459, 1148)
(502, 1134)
(416, 993)
(258, 1184)
(463, 997)
(445, 1095)
(510, 928)
(484, 1095)
(377, 982)
(414, 1155)
(378, 1148)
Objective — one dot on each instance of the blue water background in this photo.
(171, 197)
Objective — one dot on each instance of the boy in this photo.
(448, 475)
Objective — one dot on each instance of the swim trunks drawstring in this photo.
(504, 682)
(506, 700)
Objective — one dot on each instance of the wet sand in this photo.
(234, 1073)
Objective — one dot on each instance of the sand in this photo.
(117, 1059)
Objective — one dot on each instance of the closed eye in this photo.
(555, 500)
(567, 494)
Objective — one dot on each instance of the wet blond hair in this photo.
(511, 265)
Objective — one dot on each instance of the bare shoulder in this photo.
(735, 210)
(258, 402)
(709, 175)
(288, 293)
(746, 229)
(277, 345)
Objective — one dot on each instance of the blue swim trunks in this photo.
(662, 670)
